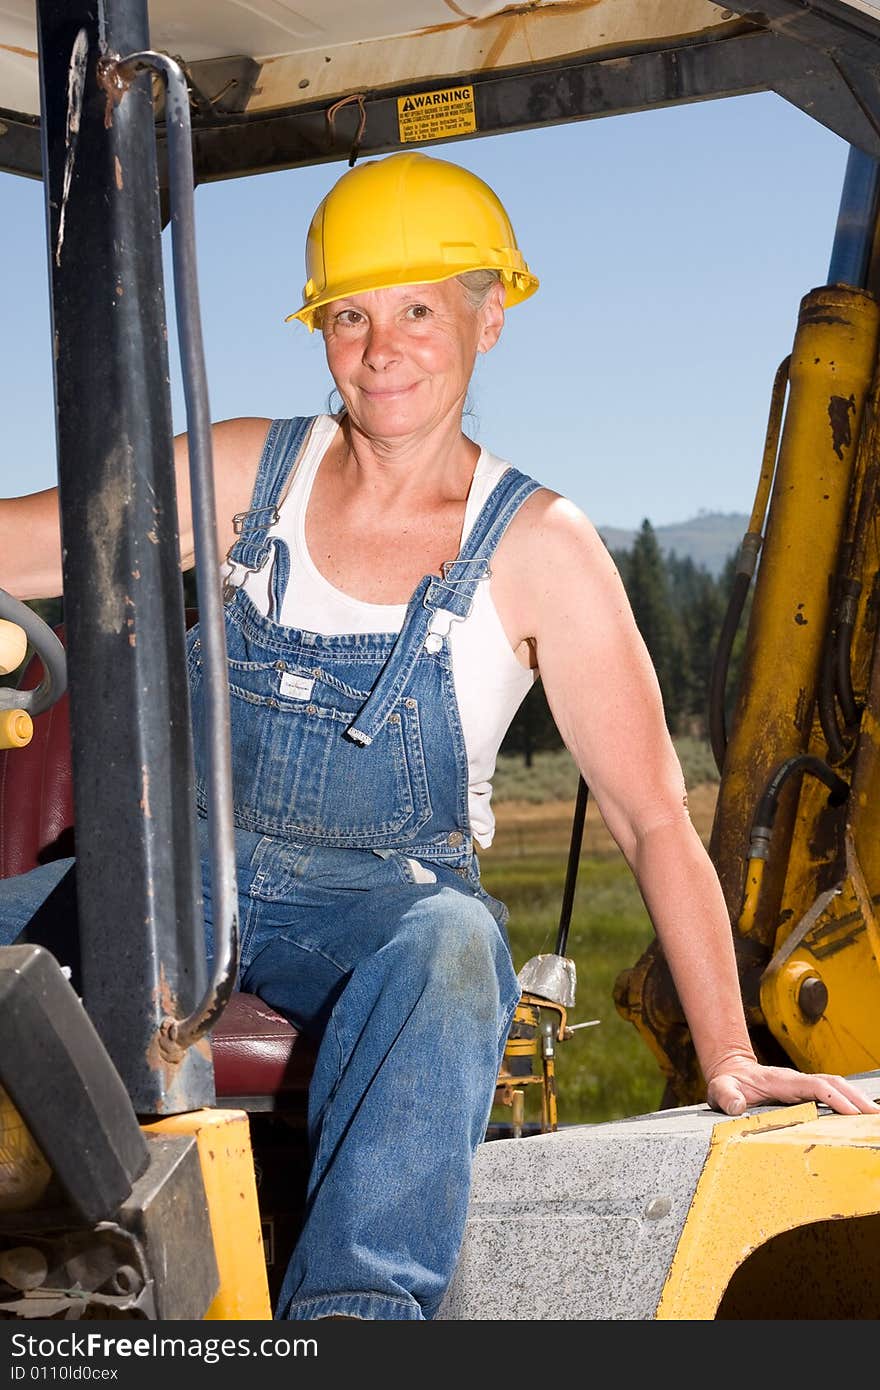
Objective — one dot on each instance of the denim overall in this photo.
(350, 786)
(362, 916)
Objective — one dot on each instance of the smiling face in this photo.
(402, 358)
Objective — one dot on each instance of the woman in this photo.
(393, 592)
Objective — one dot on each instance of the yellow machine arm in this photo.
(796, 835)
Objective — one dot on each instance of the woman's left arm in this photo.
(604, 695)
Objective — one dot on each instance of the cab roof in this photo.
(278, 83)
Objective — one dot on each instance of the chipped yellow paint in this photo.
(224, 1146)
(765, 1175)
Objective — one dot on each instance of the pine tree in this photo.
(699, 603)
(649, 591)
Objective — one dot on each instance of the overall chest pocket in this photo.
(294, 771)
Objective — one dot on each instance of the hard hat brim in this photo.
(518, 286)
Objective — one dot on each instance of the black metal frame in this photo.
(137, 873)
(816, 54)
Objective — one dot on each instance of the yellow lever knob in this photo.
(16, 728)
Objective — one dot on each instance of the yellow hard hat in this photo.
(407, 219)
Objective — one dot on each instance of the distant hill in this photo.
(708, 538)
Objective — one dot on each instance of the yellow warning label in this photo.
(433, 115)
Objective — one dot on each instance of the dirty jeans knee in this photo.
(401, 1097)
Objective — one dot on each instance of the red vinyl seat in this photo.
(261, 1061)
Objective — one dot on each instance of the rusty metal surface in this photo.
(306, 47)
(257, 109)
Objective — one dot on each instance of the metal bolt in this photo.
(812, 998)
(126, 1280)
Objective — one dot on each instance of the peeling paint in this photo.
(839, 410)
(105, 528)
(490, 14)
(76, 79)
(117, 170)
(113, 84)
(145, 779)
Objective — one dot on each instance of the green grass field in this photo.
(605, 1072)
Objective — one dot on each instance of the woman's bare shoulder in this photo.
(241, 434)
(236, 446)
(549, 530)
(550, 550)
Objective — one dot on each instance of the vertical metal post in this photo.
(856, 222)
(137, 860)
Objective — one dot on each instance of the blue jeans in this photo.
(411, 989)
(362, 917)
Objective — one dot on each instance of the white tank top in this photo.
(490, 684)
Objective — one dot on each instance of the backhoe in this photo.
(151, 1116)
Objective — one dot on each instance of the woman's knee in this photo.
(454, 941)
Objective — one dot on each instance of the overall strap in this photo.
(438, 602)
(280, 452)
(454, 591)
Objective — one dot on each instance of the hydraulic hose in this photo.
(224, 892)
(765, 814)
(836, 685)
(825, 701)
(846, 695)
(851, 590)
(747, 562)
(571, 873)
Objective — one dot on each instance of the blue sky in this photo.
(673, 249)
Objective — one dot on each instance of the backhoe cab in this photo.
(151, 1116)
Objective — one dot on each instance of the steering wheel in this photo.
(18, 626)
